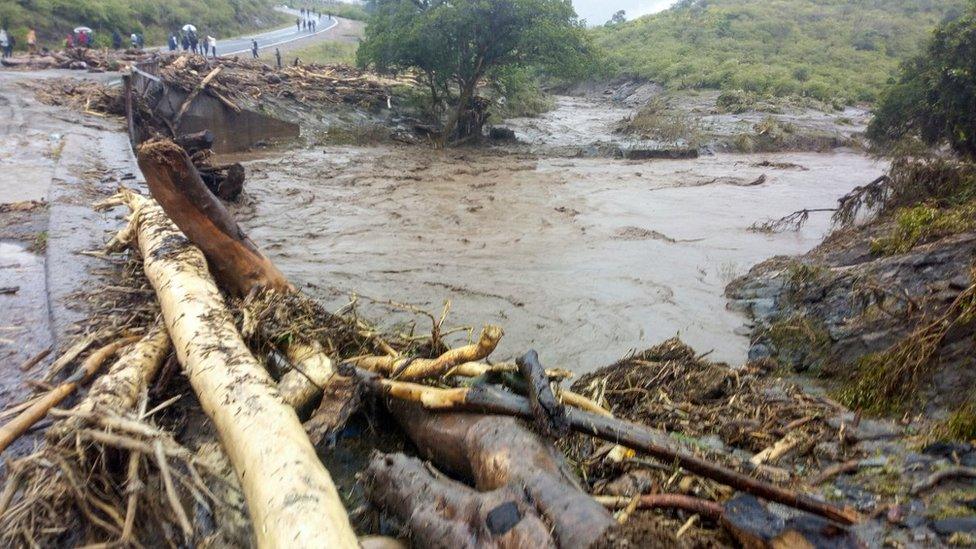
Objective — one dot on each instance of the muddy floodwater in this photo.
(581, 259)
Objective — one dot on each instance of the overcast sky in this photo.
(597, 12)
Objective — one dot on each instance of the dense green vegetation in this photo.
(457, 45)
(54, 19)
(827, 49)
(934, 99)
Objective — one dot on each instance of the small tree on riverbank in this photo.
(457, 45)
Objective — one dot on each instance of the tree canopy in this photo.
(934, 99)
(458, 44)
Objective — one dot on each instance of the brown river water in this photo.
(580, 259)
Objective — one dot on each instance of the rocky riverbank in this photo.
(882, 311)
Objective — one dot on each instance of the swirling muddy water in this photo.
(581, 259)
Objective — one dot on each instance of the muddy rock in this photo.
(841, 302)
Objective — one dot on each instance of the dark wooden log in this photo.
(496, 451)
(234, 259)
(439, 512)
(224, 180)
(195, 142)
(549, 414)
(755, 527)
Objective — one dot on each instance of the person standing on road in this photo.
(31, 40)
(172, 42)
(298, 24)
(4, 42)
(116, 39)
(212, 46)
(278, 57)
(254, 48)
(11, 42)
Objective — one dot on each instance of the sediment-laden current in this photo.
(581, 259)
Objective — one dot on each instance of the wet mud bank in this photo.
(57, 162)
(581, 259)
(642, 120)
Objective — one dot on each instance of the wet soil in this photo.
(581, 259)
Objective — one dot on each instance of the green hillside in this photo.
(53, 19)
(827, 49)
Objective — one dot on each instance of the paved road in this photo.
(270, 39)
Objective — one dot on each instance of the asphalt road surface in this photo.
(273, 38)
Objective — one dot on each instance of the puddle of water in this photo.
(580, 259)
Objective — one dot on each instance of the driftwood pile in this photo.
(259, 358)
(93, 60)
(243, 81)
(82, 95)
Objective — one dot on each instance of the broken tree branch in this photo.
(234, 259)
(412, 369)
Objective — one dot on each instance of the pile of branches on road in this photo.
(275, 374)
(81, 95)
(88, 59)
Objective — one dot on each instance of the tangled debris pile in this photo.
(92, 60)
(126, 462)
(82, 95)
(247, 82)
(907, 486)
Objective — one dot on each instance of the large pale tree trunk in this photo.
(290, 496)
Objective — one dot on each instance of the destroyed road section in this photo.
(733, 416)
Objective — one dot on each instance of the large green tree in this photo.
(934, 99)
(458, 45)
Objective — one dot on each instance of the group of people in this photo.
(7, 41)
(190, 41)
(85, 38)
(309, 20)
(306, 24)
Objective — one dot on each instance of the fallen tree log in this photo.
(450, 513)
(234, 259)
(120, 387)
(496, 452)
(486, 400)
(291, 498)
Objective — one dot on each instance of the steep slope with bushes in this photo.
(827, 49)
(53, 19)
